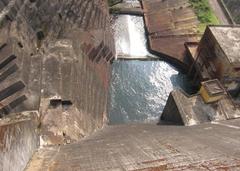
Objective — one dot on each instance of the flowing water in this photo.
(129, 36)
(139, 89)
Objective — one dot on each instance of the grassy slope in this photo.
(204, 13)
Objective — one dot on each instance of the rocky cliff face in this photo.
(234, 8)
(55, 57)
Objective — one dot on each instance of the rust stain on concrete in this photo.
(169, 25)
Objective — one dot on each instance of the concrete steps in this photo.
(9, 103)
(96, 54)
(11, 86)
(86, 14)
(7, 65)
(11, 97)
(7, 71)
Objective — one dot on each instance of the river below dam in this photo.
(139, 89)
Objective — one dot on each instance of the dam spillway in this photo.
(139, 88)
(56, 61)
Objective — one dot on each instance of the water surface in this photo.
(139, 89)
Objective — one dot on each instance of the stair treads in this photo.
(7, 61)
(2, 46)
(11, 90)
(8, 72)
(17, 101)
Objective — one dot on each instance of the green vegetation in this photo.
(204, 13)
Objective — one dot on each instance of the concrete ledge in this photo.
(127, 8)
(192, 110)
(18, 140)
(127, 11)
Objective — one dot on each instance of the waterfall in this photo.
(139, 89)
(137, 37)
(130, 36)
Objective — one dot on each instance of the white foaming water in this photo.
(139, 90)
(137, 37)
(130, 36)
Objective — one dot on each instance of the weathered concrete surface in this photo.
(169, 24)
(19, 139)
(66, 81)
(55, 58)
(192, 110)
(127, 11)
(49, 39)
(12, 89)
(148, 147)
(127, 5)
(228, 38)
(127, 8)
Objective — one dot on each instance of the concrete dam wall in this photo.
(55, 59)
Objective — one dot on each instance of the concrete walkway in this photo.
(146, 147)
